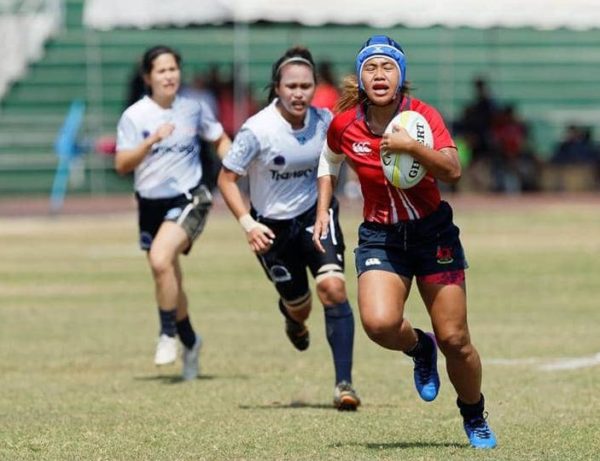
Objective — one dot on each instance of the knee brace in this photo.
(329, 270)
(297, 304)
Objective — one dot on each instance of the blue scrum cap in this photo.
(381, 45)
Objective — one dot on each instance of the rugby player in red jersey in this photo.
(406, 233)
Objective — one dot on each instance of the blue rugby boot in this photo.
(427, 380)
(479, 433)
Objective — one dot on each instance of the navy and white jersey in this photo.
(173, 166)
(281, 163)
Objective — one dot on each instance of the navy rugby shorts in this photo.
(427, 248)
(293, 251)
(187, 210)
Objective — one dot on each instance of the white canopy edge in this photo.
(541, 14)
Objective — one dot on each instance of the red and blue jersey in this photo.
(384, 203)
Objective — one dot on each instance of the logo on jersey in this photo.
(361, 147)
(184, 149)
(307, 173)
(444, 255)
(373, 262)
(279, 160)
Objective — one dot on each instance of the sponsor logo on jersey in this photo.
(279, 160)
(306, 173)
(185, 149)
(361, 147)
(373, 262)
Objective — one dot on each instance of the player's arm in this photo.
(328, 172)
(126, 160)
(222, 145)
(442, 164)
(260, 237)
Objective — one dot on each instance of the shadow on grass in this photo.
(176, 379)
(300, 404)
(287, 406)
(403, 445)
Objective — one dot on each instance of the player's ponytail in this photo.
(351, 95)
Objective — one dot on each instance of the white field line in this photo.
(571, 363)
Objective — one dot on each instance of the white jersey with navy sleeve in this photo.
(281, 163)
(173, 166)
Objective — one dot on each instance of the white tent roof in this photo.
(543, 14)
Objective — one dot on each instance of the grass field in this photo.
(78, 325)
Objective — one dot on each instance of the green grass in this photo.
(78, 324)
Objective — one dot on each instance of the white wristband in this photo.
(247, 222)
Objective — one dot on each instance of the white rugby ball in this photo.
(401, 169)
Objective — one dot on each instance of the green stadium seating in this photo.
(541, 72)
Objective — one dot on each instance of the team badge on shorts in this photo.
(145, 240)
(444, 255)
(173, 213)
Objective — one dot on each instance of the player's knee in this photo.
(331, 284)
(381, 328)
(160, 263)
(454, 343)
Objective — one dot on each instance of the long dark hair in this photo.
(303, 57)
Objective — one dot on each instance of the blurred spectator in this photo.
(233, 113)
(200, 89)
(501, 157)
(476, 122)
(575, 164)
(326, 93)
(576, 147)
(515, 167)
(203, 88)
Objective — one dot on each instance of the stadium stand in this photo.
(548, 74)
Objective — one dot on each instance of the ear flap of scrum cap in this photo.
(381, 45)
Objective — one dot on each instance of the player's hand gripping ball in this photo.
(400, 168)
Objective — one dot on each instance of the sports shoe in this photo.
(479, 433)
(295, 331)
(166, 350)
(427, 380)
(345, 397)
(191, 359)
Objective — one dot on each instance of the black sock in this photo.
(167, 322)
(423, 347)
(473, 410)
(186, 332)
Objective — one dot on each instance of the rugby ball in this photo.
(401, 169)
